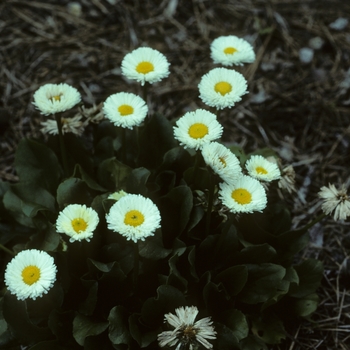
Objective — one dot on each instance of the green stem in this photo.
(210, 204)
(136, 266)
(62, 145)
(196, 165)
(314, 222)
(218, 112)
(123, 131)
(145, 92)
(8, 251)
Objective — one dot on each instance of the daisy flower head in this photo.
(246, 195)
(78, 222)
(262, 169)
(222, 87)
(145, 65)
(30, 274)
(55, 98)
(231, 50)
(222, 161)
(134, 217)
(187, 333)
(335, 200)
(196, 128)
(125, 109)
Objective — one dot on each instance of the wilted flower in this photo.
(187, 333)
(262, 169)
(30, 274)
(287, 180)
(222, 161)
(195, 129)
(78, 222)
(125, 109)
(134, 217)
(335, 200)
(93, 114)
(55, 98)
(145, 65)
(222, 87)
(74, 125)
(231, 50)
(246, 195)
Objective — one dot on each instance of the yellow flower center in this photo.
(134, 218)
(223, 162)
(55, 98)
(125, 110)
(79, 225)
(261, 170)
(198, 130)
(223, 88)
(230, 50)
(30, 274)
(144, 67)
(241, 196)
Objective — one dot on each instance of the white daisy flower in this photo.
(231, 50)
(195, 129)
(125, 109)
(30, 274)
(117, 195)
(262, 169)
(145, 65)
(78, 222)
(222, 87)
(55, 98)
(246, 195)
(335, 200)
(222, 161)
(134, 217)
(74, 125)
(187, 333)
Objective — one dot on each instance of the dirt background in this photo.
(298, 106)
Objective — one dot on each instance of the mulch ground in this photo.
(299, 108)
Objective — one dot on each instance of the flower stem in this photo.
(145, 92)
(218, 112)
(136, 266)
(196, 166)
(210, 204)
(314, 222)
(8, 251)
(62, 145)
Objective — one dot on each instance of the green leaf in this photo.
(310, 273)
(252, 343)
(269, 329)
(118, 326)
(113, 174)
(37, 164)
(234, 278)
(136, 181)
(152, 248)
(167, 300)
(176, 209)
(159, 130)
(88, 304)
(226, 338)
(256, 254)
(91, 183)
(84, 327)
(306, 306)
(73, 191)
(263, 283)
(237, 322)
(21, 326)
